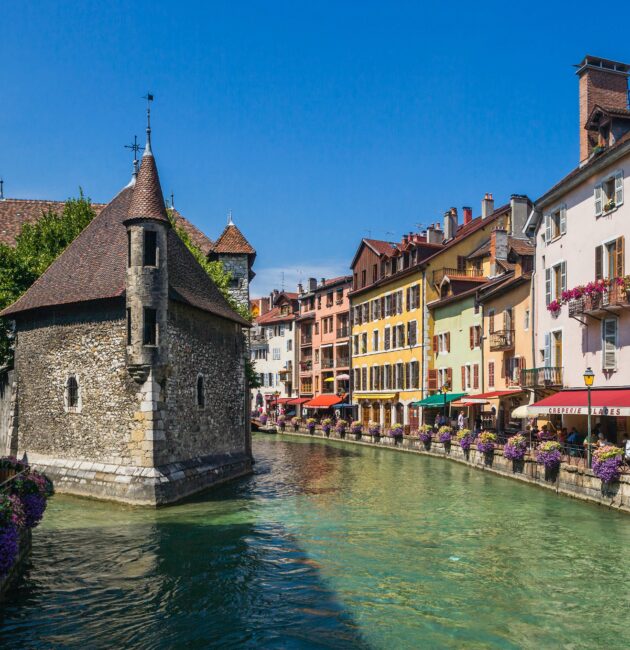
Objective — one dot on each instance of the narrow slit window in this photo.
(150, 248)
(201, 397)
(150, 327)
(129, 248)
(128, 326)
(72, 388)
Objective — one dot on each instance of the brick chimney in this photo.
(450, 223)
(312, 284)
(467, 214)
(602, 82)
(487, 206)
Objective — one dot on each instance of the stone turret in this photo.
(147, 273)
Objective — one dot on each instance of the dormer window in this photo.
(150, 248)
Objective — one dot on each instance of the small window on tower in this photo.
(201, 397)
(150, 248)
(128, 326)
(72, 395)
(150, 327)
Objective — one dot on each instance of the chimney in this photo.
(322, 282)
(467, 215)
(312, 284)
(300, 288)
(487, 206)
(519, 212)
(602, 82)
(450, 223)
(498, 248)
(405, 240)
(434, 235)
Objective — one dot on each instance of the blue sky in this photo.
(316, 123)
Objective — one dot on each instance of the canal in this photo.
(330, 546)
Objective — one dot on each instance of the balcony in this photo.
(544, 377)
(594, 303)
(501, 340)
(328, 363)
(306, 340)
(343, 332)
(306, 366)
(438, 274)
(343, 362)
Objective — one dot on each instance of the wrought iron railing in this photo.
(539, 377)
(501, 340)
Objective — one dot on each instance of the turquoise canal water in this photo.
(330, 546)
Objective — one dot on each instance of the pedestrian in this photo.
(461, 420)
(438, 421)
(626, 448)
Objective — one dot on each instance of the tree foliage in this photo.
(36, 247)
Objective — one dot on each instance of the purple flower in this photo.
(34, 506)
(515, 448)
(9, 544)
(425, 436)
(549, 455)
(607, 470)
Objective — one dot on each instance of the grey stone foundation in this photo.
(144, 486)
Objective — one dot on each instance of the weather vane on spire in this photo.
(147, 149)
(230, 222)
(135, 147)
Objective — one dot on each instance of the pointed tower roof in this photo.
(147, 201)
(233, 242)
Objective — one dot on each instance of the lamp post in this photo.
(444, 390)
(589, 377)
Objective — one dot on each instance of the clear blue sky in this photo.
(314, 122)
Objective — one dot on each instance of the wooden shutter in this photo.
(619, 188)
(407, 375)
(619, 257)
(597, 192)
(547, 286)
(432, 379)
(599, 268)
(491, 322)
(449, 378)
(563, 219)
(491, 374)
(476, 376)
(408, 298)
(463, 377)
(435, 344)
(471, 336)
(448, 341)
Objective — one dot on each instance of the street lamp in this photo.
(589, 377)
(444, 390)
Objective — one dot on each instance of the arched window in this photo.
(201, 398)
(72, 397)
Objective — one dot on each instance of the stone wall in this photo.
(572, 481)
(91, 346)
(238, 266)
(203, 345)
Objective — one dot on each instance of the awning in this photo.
(298, 400)
(323, 401)
(482, 397)
(520, 412)
(329, 379)
(438, 399)
(604, 401)
(343, 377)
(469, 402)
(283, 400)
(373, 396)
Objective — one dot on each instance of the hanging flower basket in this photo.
(310, 424)
(486, 442)
(465, 439)
(425, 435)
(356, 428)
(374, 429)
(341, 427)
(549, 454)
(396, 432)
(326, 426)
(296, 423)
(607, 463)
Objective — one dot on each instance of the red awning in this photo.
(298, 400)
(323, 401)
(482, 397)
(468, 403)
(604, 401)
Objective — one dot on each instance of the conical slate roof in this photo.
(93, 267)
(147, 201)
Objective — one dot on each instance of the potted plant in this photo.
(425, 435)
(340, 428)
(465, 440)
(515, 449)
(396, 432)
(486, 442)
(549, 454)
(356, 428)
(310, 424)
(326, 426)
(607, 463)
(445, 436)
(282, 422)
(374, 429)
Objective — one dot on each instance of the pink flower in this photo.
(554, 306)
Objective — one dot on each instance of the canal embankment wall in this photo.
(570, 480)
(15, 572)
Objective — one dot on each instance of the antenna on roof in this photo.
(135, 147)
(1, 189)
(172, 200)
(147, 149)
(230, 222)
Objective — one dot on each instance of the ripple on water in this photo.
(329, 546)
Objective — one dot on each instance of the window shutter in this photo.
(547, 286)
(471, 336)
(476, 376)
(547, 354)
(563, 276)
(448, 341)
(598, 200)
(563, 219)
(491, 374)
(435, 344)
(619, 188)
(599, 269)
(408, 298)
(407, 375)
(449, 378)
(463, 377)
(432, 379)
(620, 254)
(547, 228)
(609, 331)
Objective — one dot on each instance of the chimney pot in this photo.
(467, 214)
(487, 206)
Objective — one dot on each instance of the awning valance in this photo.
(374, 396)
(493, 395)
(604, 401)
(298, 400)
(438, 399)
(323, 401)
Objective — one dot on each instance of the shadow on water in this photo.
(214, 572)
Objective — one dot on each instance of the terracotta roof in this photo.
(519, 246)
(381, 247)
(233, 242)
(147, 201)
(93, 267)
(274, 316)
(463, 293)
(14, 213)
(198, 238)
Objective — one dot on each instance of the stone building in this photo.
(129, 379)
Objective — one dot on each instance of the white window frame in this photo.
(615, 344)
(550, 281)
(601, 199)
